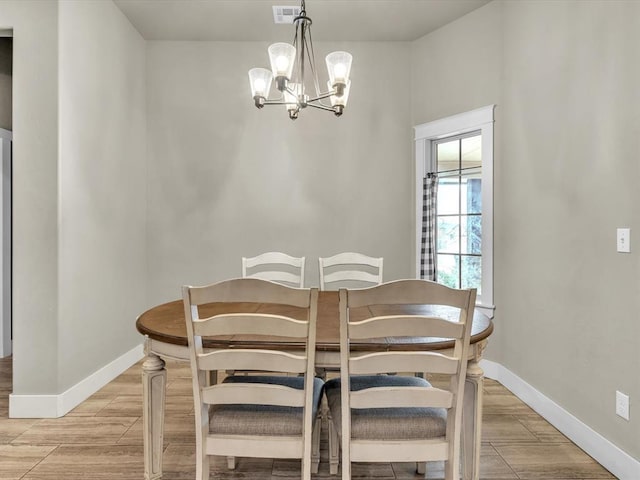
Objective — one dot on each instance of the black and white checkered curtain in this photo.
(428, 249)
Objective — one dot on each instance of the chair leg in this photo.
(451, 470)
(231, 463)
(421, 468)
(202, 465)
(346, 464)
(315, 445)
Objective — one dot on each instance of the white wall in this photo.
(570, 174)
(564, 76)
(458, 67)
(35, 193)
(102, 177)
(227, 180)
(79, 191)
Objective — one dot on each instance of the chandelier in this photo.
(289, 65)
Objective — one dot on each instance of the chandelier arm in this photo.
(311, 55)
(303, 41)
(322, 96)
(321, 107)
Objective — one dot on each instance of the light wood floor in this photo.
(102, 440)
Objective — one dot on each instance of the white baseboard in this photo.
(611, 457)
(54, 406)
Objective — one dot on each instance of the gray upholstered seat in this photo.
(274, 420)
(387, 423)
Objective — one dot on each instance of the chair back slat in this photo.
(384, 362)
(400, 292)
(252, 360)
(273, 257)
(251, 324)
(405, 326)
(351, 275)
(351, 258)
(402, 397)
(253, 394)
(276, 276)
(275, 267)
(249, 290)
(350, 267)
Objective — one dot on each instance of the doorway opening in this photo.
(6, 148)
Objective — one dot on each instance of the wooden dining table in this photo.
(164, 328)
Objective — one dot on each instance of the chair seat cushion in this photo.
(238, 419)
(386, 423)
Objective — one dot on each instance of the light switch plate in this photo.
(624, 240)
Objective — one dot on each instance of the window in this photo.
(460, 150)
(458, 162)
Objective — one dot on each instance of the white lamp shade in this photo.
(335, 100)
(339, 67)
(282, 57)
(260, 80)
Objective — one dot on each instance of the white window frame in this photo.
(481, 120)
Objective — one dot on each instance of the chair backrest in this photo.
(447, 313)
(302, 302)
(276, 267)
(350, 267)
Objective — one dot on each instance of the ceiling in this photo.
(252, 20)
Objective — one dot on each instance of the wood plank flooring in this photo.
(101, 439)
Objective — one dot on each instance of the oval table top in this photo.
(166, 323)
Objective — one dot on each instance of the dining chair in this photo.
(274, 415)
(382, 418)
(276, 267)
(350, 267)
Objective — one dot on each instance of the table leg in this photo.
(154, 381)
(472, 419)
